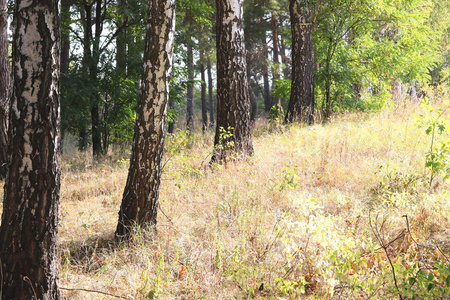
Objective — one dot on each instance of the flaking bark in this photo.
(140, 198)
(301, 103)
(28, 232)
(4, 88)
(233, 100)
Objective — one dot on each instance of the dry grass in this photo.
(299, 210)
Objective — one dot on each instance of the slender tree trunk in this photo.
(301, 103)
(4, 88)
(140, 197)
(252, 97)
(233, 103)
(96, 129)
(276, 61)
(97, 147)
(171, 126)
(28, 234)
(65, 48)
(65, 37)
(121, 41)
(286, 62)
(267, 97)
(86, 20)
(190, 88)
(210, 94)
(203, 96)
(327, 112)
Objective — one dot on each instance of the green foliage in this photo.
(292, 289)
(361, 49)
(429, 284)
(397, 188)
(226, 141)
(289, 179)
(282, 89)
(437, 158)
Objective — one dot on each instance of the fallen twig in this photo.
(95, 291)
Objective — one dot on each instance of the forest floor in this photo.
(329, 211)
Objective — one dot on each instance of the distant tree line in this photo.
(356, 54)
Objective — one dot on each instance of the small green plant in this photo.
(276, 115)
(428, 284)
(292, 288)
(226, 138)
(289, 179)
(437, 158)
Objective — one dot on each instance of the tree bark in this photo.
(28, 234)
(233, 104)
(301, 103)
(140, 197)
(190, 87)
(4, 88)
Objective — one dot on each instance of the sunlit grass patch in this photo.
(294, 221)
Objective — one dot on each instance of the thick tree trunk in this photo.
(4, 88)
(301, 103)
(210, 95)
(140, 197)
(233, 103)
(190, 88)
(28, 234)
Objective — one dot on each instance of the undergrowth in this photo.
(336, 211)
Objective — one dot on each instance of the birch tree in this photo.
(140, 197)
(28, 232)
(233, 101)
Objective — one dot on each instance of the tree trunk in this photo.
(65, 37)
(210, 95)
(301, 103)
(233, 104)
(171, 126)
(140, 197)
(190, 87)
(121, 41)
(97, 148)
(276, 61)
(28, 235)
(285, 60)
(267, 97)
(4, 88)
(203, 96)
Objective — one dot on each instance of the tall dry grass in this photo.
(291, 222)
